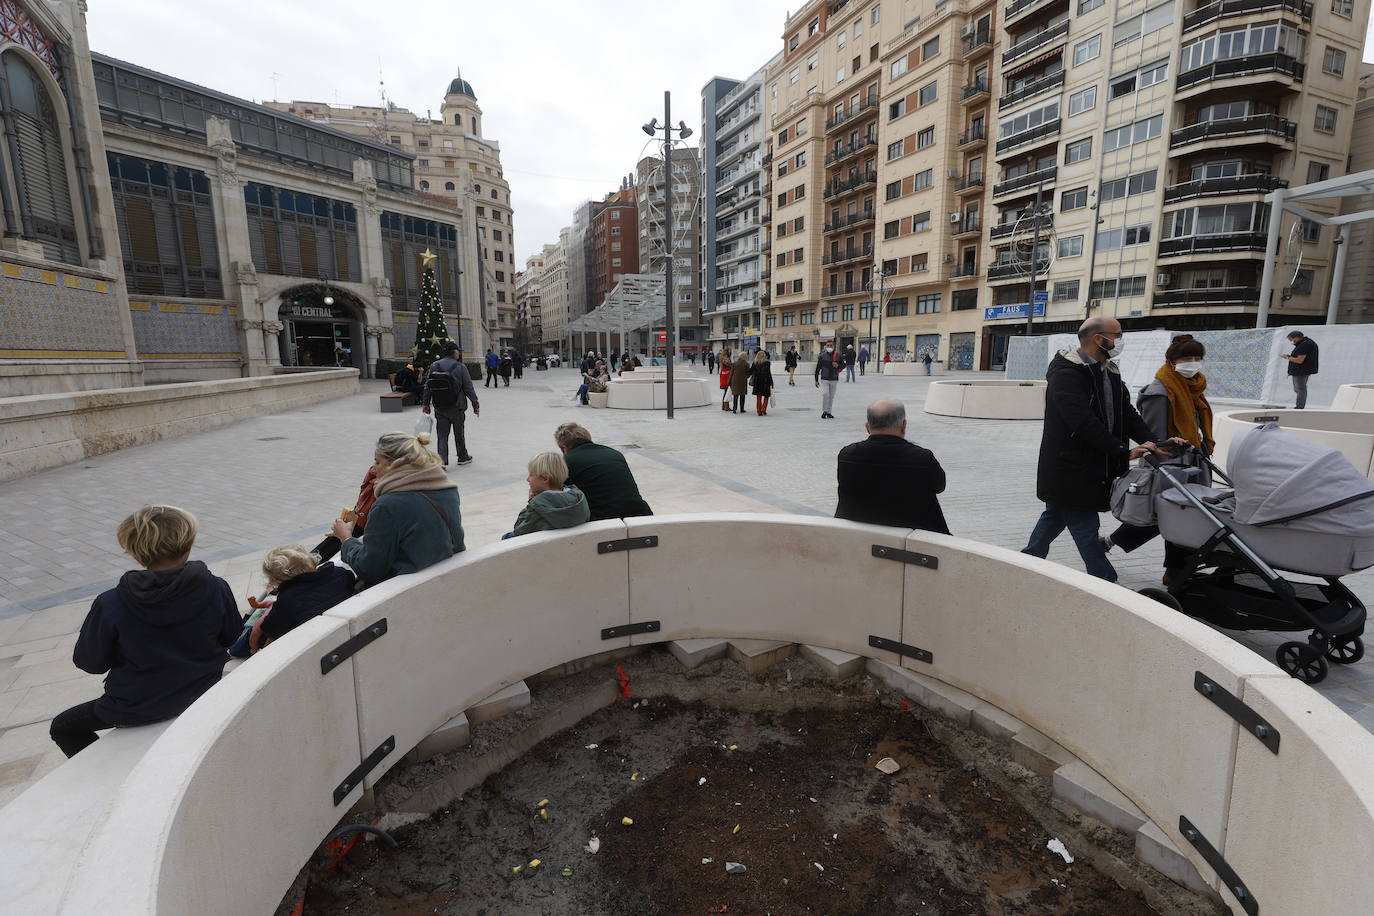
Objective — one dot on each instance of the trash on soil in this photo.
(733, 747)
(707, 861)
(535, 863)
(593, 845)
(819, 866)
(906, 706)
(1057, 847)
(517, 869)
(701, 781)
(567, 871)
(810, 799)
(736, 830)
(592, 747)
(544, 814)
(734, 868)
(626, 821)
(634, 776)
(543, 803)
(888, 765)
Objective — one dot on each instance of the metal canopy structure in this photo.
(636, 302)
(1291, 200)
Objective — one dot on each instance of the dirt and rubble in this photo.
(776, 772)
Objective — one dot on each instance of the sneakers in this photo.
(466, 459)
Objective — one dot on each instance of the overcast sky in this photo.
(563, 85)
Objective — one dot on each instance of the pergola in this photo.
(636, 302)
(1291, 200)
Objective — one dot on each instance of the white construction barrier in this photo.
(987, 400)
(1350, 432)
(254, 776)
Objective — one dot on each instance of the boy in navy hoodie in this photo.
(161, 634)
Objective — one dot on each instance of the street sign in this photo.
(751, 342)
(995, 312)
(1041, 297)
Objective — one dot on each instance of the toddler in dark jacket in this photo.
(159, 636)
(304, 587)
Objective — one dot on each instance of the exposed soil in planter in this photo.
(820, 829)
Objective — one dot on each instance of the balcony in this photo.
(766, 160)
(1227, 9)
(1263, 128)
(838, 188)
(847, 289)
(868, 104)
(1003, 230)
(968, 226)
(1212, 244)
(853, 253)
(1223, 295)
(1032, 89)
(970, 183)
(1019, 7)
(964, 271)
(1029, 180)
(1041, 39)
(848, 149)
(1258, 183)
(1285, 66)
(973, 90)
(977, 44)
(1037, 134)
(976, 134)
(851, 219)
(1016, 270)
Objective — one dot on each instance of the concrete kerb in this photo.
(1097, 670)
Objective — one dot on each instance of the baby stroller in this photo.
(1294, 505)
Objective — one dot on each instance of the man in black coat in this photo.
(886, 480)
(1088, 421)
(448, 390)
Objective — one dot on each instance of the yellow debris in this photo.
(543, 804)
(736, 830)
(734, 747)
(517, 869)
(634, 775)
(544, 813)
(626, 821)
(534, 863)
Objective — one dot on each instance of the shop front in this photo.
(322, 327)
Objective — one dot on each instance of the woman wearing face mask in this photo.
(1175, 404)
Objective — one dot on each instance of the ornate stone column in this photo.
(236, 255)
(271, 337)
(374, 335)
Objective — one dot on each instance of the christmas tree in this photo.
(430, 333)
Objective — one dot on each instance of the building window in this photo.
(894, 150)
(1311, 231)
(796, 286)
(961, 300)
(782, 259)
(1087, 50)
(897, 307)
(920, 263)
(794, 75)
(839, 75)
(1333, 61)
(422, 163)
(875, 14)
(928, 304)
(799, 192)
(1344, 8)
(496, 236)
(449, 186)
(930, 48)
(500, 255)
(424, 186)
(892, 229)
(813, 27)
(615, 230)
(1127, 134)
(1085, 6)
(798, 255)
(840, 40)
(920, 222)
(808, 316)
(793, 42)
(42, 168)
(925, 138)
(1083, 100)
(500, 276)
(770, 320)
(1065, 290)
(896, 109)
(847, 313)
(1318, 171)
(166, 228)
(1146, 76)
(1078, 151)
(1112, 239)
(1074, 200)
(1117, 188)
(897, 68)
(799, 160)
(789, 319)
(1325, 120)
(813, 61)
(782, 136)
(924, 179)
(799, 224)
(481, 211)
(828, 314)
(893, 190)
(929, 93)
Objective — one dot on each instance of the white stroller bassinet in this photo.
(1299, 505)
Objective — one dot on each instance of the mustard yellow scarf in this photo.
(1190, 416)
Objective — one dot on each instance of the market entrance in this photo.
(322, 326)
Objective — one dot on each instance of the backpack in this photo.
(440, 388)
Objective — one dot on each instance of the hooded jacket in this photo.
(162, 637)
(307, 595)
(1080, 455)
(553, 509)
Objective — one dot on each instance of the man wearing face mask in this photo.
(1089, 421)
(827, 377)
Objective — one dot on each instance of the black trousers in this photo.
(1129, 537)
(75, 729)
(737, 402)
(446, 418)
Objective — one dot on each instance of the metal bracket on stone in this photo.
(1230, 704)
(631, 629)
(351, 647)
(354, 779)
(627, 544)
(906, 556)
(901, 648)
(1219, 865)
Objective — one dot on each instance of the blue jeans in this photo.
(849, 373)
(1082, 525)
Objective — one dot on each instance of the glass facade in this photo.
(166, 228)
(404, 239)
(300, 235)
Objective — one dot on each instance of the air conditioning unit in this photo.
(949, 259)
(966, 31)
(953, 173)
(1161, 279)
(955, 217)
(1094, 303)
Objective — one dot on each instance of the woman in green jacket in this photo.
(416, 520)
(554, 503)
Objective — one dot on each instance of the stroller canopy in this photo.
(1280, 477)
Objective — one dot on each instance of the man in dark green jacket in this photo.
(601, 473)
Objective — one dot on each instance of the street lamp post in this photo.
(1034, 253)
(670, 303)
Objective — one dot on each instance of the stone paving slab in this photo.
(281, 478)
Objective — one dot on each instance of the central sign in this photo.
(995, 312)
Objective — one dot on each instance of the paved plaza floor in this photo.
(284, 477)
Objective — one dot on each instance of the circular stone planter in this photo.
(987, 400)
(1354, 397)
(906, 369)
(648, 390)
(597, 398)
(1350, 432)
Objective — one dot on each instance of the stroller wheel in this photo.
(1302, 662)
(1163, 597)
(1345, 650)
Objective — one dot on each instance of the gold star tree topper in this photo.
(427, 258)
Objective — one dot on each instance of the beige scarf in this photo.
(407, 479)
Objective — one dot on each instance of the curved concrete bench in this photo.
(903, 369)
(1354, 397)
(1350, 432)
(987, 400)
(644, 391)
(250, 780)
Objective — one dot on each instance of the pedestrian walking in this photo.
(850, 358)
(447, 391)
(887, 480)
(1302, 364)
(739, 382)
(761, 377)
(493, 364)
(506, 368)
(1084, 446)
(724, 368)
(790, 361)
(927, 359)
(827, 376)
(519, 359)
(710, 360)
(864, 357)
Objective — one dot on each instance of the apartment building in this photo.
(677, 200)
(1357, 290)
(935, 163)
(614, 242)
(454, 164)
(736, 240)
(529, 319)
(553, 289)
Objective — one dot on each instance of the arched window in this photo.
(424, 186)
(40, 175)
(458, 120)
(448, 186)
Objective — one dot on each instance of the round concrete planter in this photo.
(907, 369)
(1351, 432)
(987, 400)
(648, 390)
(597, 398)
(168, 818)
(1354, 397)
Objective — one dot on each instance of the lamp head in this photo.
(328, 300)
(683, 129)
(651, 128)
